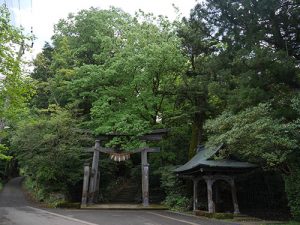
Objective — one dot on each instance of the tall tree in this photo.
(141, 79)
(248, 23)
(241, 53)
(194, 93)
(14, 88)
(41, 74)
(260, 45)
(118, 72)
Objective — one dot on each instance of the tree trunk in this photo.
(197, 133)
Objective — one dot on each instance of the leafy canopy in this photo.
(14, 87)
(120, 73)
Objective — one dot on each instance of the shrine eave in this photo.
(203, 160)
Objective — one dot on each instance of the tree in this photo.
(41, 74)
(113, 73)
(245, 24)
(197, 93)
(91, 37)
(233, 63)
(255, 74)
(14, 88)
(117, 72)
(141, 79)
(255, 135)
(51, 153)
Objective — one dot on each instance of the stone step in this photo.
(126, 194)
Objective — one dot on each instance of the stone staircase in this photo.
(156, 196)
(127, 193)
(130, 192)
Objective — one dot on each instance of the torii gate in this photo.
(91, 179)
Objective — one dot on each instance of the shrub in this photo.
(176, 198)
(177, 202)
(49, 151)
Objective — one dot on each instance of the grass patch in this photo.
(68, 205)
(286, 223)
(1, 186)
(220, 216)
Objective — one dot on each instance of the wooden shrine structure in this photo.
(204, 166)
(91, 180)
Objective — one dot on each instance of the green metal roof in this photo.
(202, 159)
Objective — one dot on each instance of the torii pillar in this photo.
(145, 178)
(94, 180)
(145, 174)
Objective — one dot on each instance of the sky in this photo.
(41, 15)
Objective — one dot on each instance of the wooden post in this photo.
(145, 178)
(234, 197)
(211, 204)
(195, 197)
(94, 172)
(85, 185)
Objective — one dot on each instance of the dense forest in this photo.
(229, 73)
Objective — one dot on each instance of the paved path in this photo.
(15, 210)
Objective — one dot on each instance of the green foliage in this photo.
(38, 192)
(3, 150)
(193, 98)
(41, 73)
(288, 223)
(68, 205)
(119, 73)
(254, 71)
(49, 150)
(239, 61)
(255, 135)
(140, 80)
(244, 24)
(177, 202)
(222, 216)
(14, 88)
(233, 63)
(176, 198)
(219, 216)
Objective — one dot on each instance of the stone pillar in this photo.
(94, 173)
(85, 186)
(97, 190)
(145, 178)
(195, 190)
(211, 204)
(234, 197)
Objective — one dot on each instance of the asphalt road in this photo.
(16, 210)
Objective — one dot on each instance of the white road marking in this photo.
(61, 216)
(171, 218)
